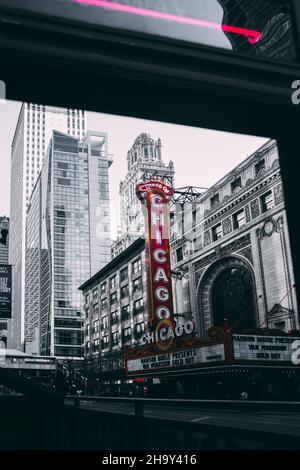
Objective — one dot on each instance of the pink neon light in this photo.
(252, 36)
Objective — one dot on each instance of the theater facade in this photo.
(231, 279)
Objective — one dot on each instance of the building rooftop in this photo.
(136, 245)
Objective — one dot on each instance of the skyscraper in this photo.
(67, 241)
(144, 161)
(32, 135)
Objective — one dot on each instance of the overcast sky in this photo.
(201, 157)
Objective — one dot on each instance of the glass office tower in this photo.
(67, 241)
(32, 135)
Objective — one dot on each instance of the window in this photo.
(137, 284)
(113, 282)
(139, 330)
(62, 165)
(140, 327)
(126, 334)
(96, 326)
(179, 254)
(103, 288)
(95, 293)
(95, 308)
(214, 199)
(104, 323)
(64, 182)
(261, 165)
(138, 306)
(104, 303)
(115, 337)
(137, 266)
(124, 274)
(113, 298)
(266, 201)
(194, 216)
(239, 219)
(124, 292)
(125, 314)
(104, 342)
(114, 317)
(237, 183)
(216, 232)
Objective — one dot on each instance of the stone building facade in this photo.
(231, 251)
(144, 161)
(115, 310)
(230, 257)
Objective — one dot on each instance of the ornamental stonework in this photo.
(254, 208)
(198, 275)
(227, 226)
(207, 238)
(278, 194)
(247, 253)
(235, 246)
(269, 227)
(247, 214)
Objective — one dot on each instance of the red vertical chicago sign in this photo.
(155, 196)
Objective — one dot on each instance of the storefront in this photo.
(262, 365)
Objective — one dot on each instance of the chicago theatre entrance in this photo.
(227, 292)
(232, 298)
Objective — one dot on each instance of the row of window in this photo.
(116, 337)
(238, 219)
(237, 183)
(137, 283)
(138, 307)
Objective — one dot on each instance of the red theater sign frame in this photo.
(155, 196)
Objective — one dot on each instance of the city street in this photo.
(285, 422)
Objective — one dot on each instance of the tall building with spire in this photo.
(144, 161)
(33, 133)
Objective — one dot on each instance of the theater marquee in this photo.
(184, 358)
(263, 348)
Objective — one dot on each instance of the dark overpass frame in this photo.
(100, 69)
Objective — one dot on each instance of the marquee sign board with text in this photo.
(185, 358)
(262, 348)
(5, 291)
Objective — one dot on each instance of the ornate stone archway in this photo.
(227, 290)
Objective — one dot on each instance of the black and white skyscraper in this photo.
(33, 132)
(67, 241)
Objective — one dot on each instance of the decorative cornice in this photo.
(223, 251)
(232, 200)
